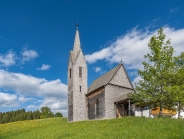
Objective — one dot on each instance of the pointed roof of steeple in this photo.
(77, 45)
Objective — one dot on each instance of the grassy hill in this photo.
(124, 128)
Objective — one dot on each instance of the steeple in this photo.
(77, 82)
(76, 46)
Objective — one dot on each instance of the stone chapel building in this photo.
(105, 98)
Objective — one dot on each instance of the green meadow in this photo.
(123, 128)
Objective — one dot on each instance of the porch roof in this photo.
(122, 98)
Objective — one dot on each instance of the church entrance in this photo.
(123, 106)
(121, 110)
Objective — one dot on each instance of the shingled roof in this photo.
(104, 79)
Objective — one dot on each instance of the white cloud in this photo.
(33, 107)
(97, 69)
(24, 99)
(8, 59)
(102, 54)
(173, 10)
(132, 47)
(44, 67)
(29, 88)
(28, 55)
(54, 103)
(8, 100)
(136, 80)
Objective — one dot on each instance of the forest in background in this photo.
(21, 115)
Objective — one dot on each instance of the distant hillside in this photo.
(124, 128)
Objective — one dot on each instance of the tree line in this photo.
(162, 78)
(21, 114)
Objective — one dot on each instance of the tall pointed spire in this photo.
(76, 46)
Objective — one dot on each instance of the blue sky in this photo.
(37, 35)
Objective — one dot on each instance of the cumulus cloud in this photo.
(11, 58)
(97, 69)
(8, 59)
(8, 100)
(132, 47)
(44, 67)
(33, 107)
(28, 55)
(25, 99)
(56, 104)
(29, 88)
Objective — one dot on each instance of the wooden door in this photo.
(119, 110)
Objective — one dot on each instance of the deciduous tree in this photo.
(162, 74)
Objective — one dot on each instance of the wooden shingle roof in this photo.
(104, 79)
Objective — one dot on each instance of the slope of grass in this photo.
(124, 128)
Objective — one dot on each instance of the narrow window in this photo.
(80, 88)
(88, 106)
(70, 73)
(97, 107)
(80, 72)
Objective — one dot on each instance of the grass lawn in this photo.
(124, 128)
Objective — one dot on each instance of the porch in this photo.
(124, 107)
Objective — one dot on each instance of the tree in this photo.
(36, 114)
(160, 74)
(58, 114)
(46, 113)
(139, 99)
(29, 115)
(176, 88)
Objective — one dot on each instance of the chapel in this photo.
(105, 98)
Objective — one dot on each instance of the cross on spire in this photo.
(76, 47)
(77, 26)
(121, 61)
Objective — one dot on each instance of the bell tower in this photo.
(77, 82)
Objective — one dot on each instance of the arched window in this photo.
(97, 107)
(88, 107)
(80, 72)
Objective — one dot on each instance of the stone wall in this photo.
(77, 98)
(70, 106)
(70, 90)
(92, 99)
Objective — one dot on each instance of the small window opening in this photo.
(97, 107)
(80, 72)
(80, 88)
(70, 73)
